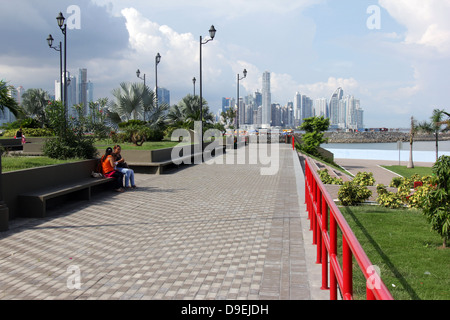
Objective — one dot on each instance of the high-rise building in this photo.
(83, 89)
(71, 92)
(266, 101)
(90, 92)
(258, 99)
(163, 96)
(334, 107)
(226, 104)
(297, 109)
(321, 108)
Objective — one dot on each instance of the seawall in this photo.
(379, 137)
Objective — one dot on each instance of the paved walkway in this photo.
(202, 232)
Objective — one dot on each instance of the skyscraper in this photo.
(334, 107)
(163, 96)
(83, 89)
(266, 101)
(297, 109)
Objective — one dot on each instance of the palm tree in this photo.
(434, 127)
(154, 114)
(34, 103)
(7, 102)
(412, 133)
(128, 103)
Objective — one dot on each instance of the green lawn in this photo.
(20, 163)
(412, 262)
(405, 172)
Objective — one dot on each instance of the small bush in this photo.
(326, 178)
(351, 194)
(390, 200)
(396, 182)
(364, 179)
(30, 132)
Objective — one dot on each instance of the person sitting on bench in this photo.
(108, 164)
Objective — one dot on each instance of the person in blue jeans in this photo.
(122, 167)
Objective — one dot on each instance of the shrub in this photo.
(364, 179)
(389, 199)
(71, 140)
(138, 134)
(351, 194)
(396, 182)
(31, 132)
(327, 179)
(437, 204)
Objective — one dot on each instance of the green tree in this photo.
(435, 126)
(437, 203)
(229, 116)
(7, 102)
(187, 112)
(128, 103)
(71, 140)
(313, 138)
(34, 103)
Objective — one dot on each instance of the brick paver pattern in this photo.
(201, 232)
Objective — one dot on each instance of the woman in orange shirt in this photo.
(109, 171)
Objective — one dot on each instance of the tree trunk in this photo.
(437, 146)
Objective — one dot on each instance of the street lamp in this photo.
(212, 34)
(193, 81)
(61, 23)
(157, 61)
(59, 48)
(138, 73)
(237, 109)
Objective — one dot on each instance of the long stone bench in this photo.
(30, 193)
(154, 161)
(11, 144)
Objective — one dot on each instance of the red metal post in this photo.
(324, 247)
(333, 254)
(347, 269)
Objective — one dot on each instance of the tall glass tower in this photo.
(266, 101)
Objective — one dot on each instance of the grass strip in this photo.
(15, 163)
(412, 262)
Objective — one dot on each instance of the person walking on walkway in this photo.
(109, 171)
(122, 167)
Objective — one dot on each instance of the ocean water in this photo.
(423, 151)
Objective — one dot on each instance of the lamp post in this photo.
(212, 34)
(237, 109)
(157, 61)
(138, 73)
(61, 23)
(59, 49)
(193, 81)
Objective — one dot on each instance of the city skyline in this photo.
(386, 53)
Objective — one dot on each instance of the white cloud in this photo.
(427, 22)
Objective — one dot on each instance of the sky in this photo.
(392, 55)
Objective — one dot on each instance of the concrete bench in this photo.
(35, 203)
(31, 193)
(154, 161)
(11, 144)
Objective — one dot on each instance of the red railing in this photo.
(325, 218)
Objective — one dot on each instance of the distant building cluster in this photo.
(79, 91)
(257, 110)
